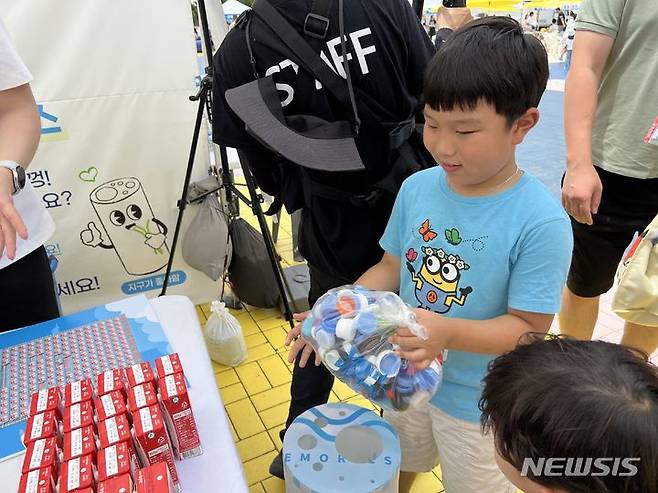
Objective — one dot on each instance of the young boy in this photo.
(479, 246)
(573, 416)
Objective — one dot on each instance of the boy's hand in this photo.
(299, 343)
(418, 351)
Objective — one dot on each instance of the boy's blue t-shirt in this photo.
(472, 258)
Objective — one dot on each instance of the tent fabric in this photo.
(233, 7)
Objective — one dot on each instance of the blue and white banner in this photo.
(112, 81)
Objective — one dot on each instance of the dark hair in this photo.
(561, 398)
(490, 59)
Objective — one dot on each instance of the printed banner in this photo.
(112, 82)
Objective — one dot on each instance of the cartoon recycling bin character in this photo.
(128, 226)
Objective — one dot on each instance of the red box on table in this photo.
(109, 405)
(168, 365)
(38, 481)
(79, 442)
(77, 416)
(109, 381)
(45, 400)
(79, 391)
(152, 440)
(43, 425)
(178, 416)
(116, 430)
(140, 396)
(139, 373)
(77, 475)
(41, 454)
(155, 479)
(114, 461)
(119, 484)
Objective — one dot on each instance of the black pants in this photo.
(628, 205)
(27, 293)
(312, 384)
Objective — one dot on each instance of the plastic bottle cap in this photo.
(346, 329)
(332, 359)
(372, 359)
(350, 350)
(362, 301)
(372, 377)
(388, 363)
(324, 339)
(366, 323)
(308, 328)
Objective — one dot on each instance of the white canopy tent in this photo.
(232, 9)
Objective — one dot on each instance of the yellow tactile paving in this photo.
(272, 322)
(226, 378)
(275, 370)
(257, 469)
(276, 336)
(271, 397)
(274, 435)
(232, 393)
(256, 393)
(245, 419)
(255, 340)
(254, 446)
(274, 485)
(275, 416)
(427, 483)
(256, 488)
(253, 378)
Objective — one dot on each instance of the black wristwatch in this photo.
(18, 172)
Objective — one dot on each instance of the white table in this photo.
(219, 468)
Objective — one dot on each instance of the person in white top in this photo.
(27, 293)
(568, 37)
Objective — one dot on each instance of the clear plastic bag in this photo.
(349, 328)
(223, 336)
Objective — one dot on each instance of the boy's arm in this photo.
(494, 336)
(383, 276)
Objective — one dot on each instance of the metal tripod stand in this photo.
(227, 184)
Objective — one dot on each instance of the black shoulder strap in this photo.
(306, 56)
(317, 21)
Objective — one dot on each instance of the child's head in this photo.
(574, 416)
(482, 89)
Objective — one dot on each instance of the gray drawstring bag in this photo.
(250, 272)
(207, 243)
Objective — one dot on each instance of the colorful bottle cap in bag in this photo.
(346, 329)
(362, 369)
(332, 359)
(388, 363)
(373, 377)
(366, 323)
(350, 303)
(351, 351)
(327, 308)
(307, 328)
(325, 339)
